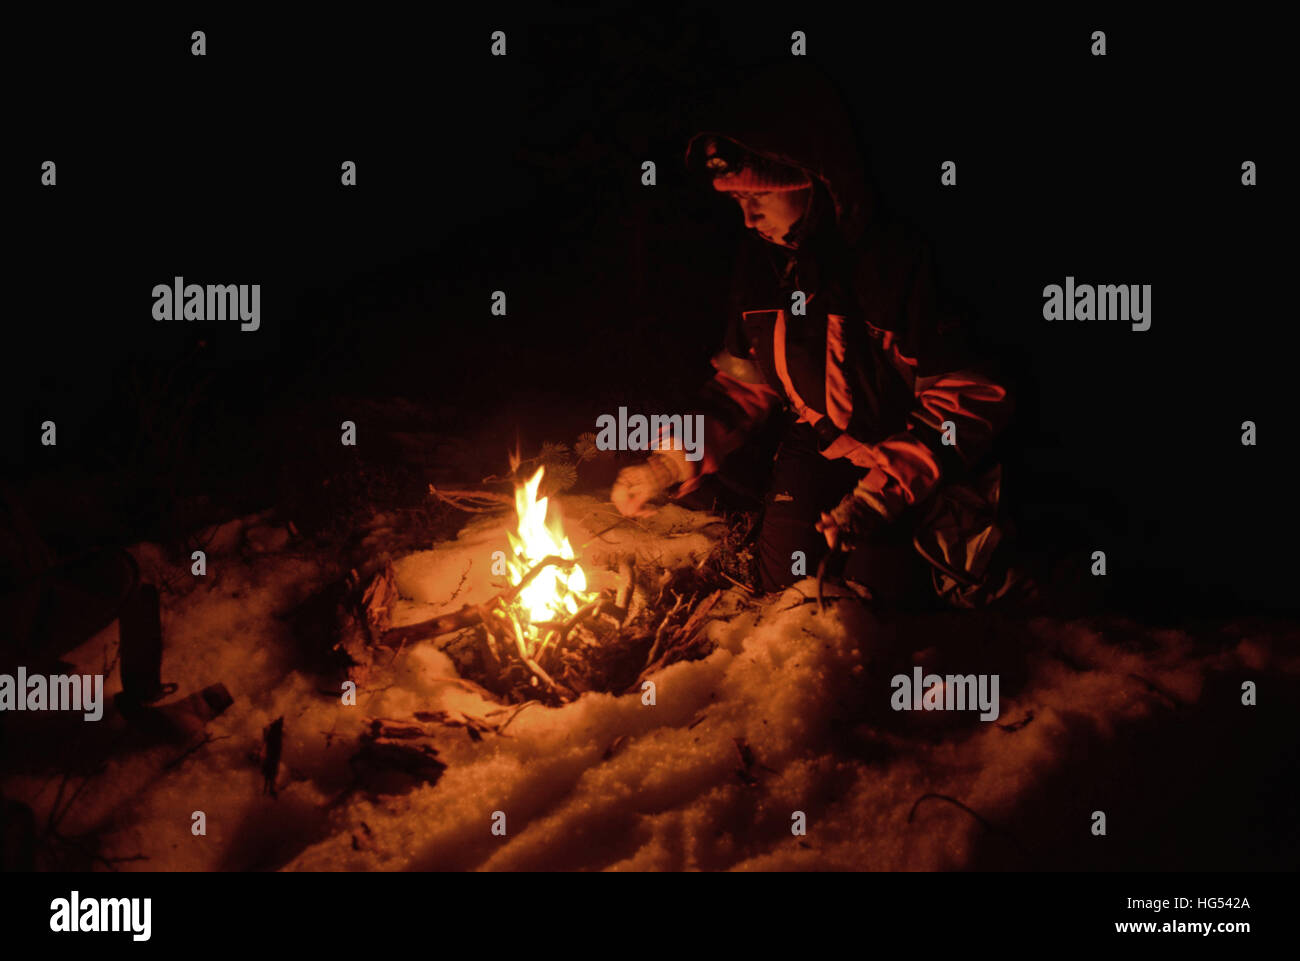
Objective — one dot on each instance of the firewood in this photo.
(659, 634)
(494, 658)
(377, 602)
(475, 725)
(434, 627)
(397, 730)
(698, 615)
(418, 761)
(623, 599)
(532, 665)
(469, 613)
(581, 615)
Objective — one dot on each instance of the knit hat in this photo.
(739, 170)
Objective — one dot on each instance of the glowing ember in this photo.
(554, 594)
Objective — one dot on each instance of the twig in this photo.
(470, 686)
(562, 633)
(746, 589)
(469, 613)
(805, 600)
(973, 813)
(508, 596)
(463, 577)
(493, 651)
(473, 502)
(595, 537)
(833, 597)
(514, 714)
(543, 645)
(698, 615)
(79, 843)
(623, 597)
(632, 520)
(528, 661)
(579, 616)
(659, 634)
(57, 816)
(821, 583)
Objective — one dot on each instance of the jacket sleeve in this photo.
(733, 404)
(960, 406)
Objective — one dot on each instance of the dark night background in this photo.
(523, 174)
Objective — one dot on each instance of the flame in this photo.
(554, 594)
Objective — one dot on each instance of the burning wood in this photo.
(466, 615)
(548, 635)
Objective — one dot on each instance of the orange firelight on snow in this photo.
(555, 594)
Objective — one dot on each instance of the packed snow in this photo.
(787, 721)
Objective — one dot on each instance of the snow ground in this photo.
(1143, 724)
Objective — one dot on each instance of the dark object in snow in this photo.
(49, 610)
(418, 761)
(746, 770)
(384, 764)
(178, 722)
(210, 702)
(331, 629)
(1003, 833)
(140, 630)
(1158, 691)
(368, 843)
(272, 745)
(1014, 726)
(474, 726)
(315, 619)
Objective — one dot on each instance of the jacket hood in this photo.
(792, 115)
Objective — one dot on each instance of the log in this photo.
(469, 614)
(378, 600)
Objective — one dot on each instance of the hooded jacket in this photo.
(877, 362)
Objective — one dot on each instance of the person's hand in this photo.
(635, 486)
(849, 523)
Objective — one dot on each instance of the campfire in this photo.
(548, 635)
(554, 595)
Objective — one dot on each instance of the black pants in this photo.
(803, 485)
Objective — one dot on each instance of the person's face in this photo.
(772, 213)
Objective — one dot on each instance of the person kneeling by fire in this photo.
(838, 327)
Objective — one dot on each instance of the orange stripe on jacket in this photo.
(839, 402)
(806, 414)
